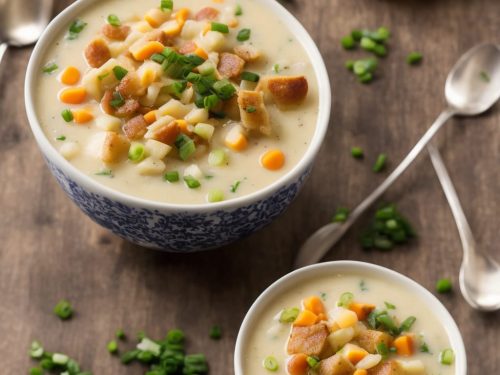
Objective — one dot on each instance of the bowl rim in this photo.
(324, 96)
(286, 282)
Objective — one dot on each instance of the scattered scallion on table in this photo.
(380, 163)
(414, 58)
(341, 215)
(444, 285)
(63, 310)
(357, 152)
(215, 333)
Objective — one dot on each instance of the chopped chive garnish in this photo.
(244, 35)
(215, 333)
(224, 89)
(235, 186)
(158, 58)
(407, 323)
(424, 348)
(368, 44)
(341, 215)
(276, 68)
(220, 27)
(50, 67)
(238, 11)
(176, 89)
(289, 315)
(389, 306)
(140, 335)
(129, 356)
(271, 364)
(119, 72)
(113, 20)
(210, 101)
(215, 195)
(383, 350)
(364, 66)
(365, 78)
(105, 172)
(346, 299)
(249, 76)
(380, 50)
(192, 182)
(120, 334)
(313, 362)
(357, 35)
(67, 115)
(167, 5)
(348, 42)
(484, 76)
(362, 286)
(446, 357)
(217, 158)
(36, 371)
(36, 350)
(61, 138)
(185, 145)
(357, 152)
(63, 310)
(136, 152)
(444, 286)
(172, 176)
(251, 109)
(112, 347)
(117, 100)
(414, 58)
(76, 28)
(380, 163)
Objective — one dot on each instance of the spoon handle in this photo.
(3, 49)
(323, 239)
(466, 236)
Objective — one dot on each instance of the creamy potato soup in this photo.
(184, 101)
(348, 325)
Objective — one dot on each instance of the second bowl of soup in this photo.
(180, 125)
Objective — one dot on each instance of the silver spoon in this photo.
(479, 273)
(467, 94)
(22, 23)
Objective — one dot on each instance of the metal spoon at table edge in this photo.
(479, 273)
(472, 87)
(21, 24)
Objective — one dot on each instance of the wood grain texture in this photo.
(49, 250)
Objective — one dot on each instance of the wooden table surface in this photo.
(50, 250)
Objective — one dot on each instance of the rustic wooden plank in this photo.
(50, 250)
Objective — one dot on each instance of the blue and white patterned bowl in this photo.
(174, 227)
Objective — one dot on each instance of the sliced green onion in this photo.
(444, 286)
(349, 64)
(364, 66)
(313, 362)
(386, 321)
(215, 195)
(357, 35)
(407, 323)
(414, 58)
(249, 76)
(120, 72)
(357, 152)
(148, 345)
(36, 371)
(389, 306)
(341, 215)
(120, 334)
(207, 68)
(158, 58)
(424, 348)
(289, 315)
(47, 364)
(210, 101)
(380, 50)
(136, 152)
(215, 333)
(117, 100)
(368, 44)
(75, 29)
(61, 138)
(195, 364)
(383, 350)
(271, 364)
(244, 35)
(348, 42)
(129, 356)
(220, 27)
(192, 182)
(167, 5)
(217, 158)
(50, 67)
(446, 357)
(238, 11)
(380, 163)
(366, 78)
(63, 310)
(346, 299)
(176, 89)
(60, 359)
(36, 350)
(112, 347)
(171, 177)
(175, 336)
(234, 187)
(67, 115)
(113, 20)
(224, 89)
(105, 172)
(382, 34)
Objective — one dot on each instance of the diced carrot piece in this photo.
(218, 1)
(148, 50)
(82, 116)
(233, 23)
(297, 364)
(404, 345)
(184, 127)
(360, 371)
(70, 76)
(236, 140)
(355, 355)
(150, 117)
(73, 95)
(362, 310)
(305, 318)
(315, 305)
(200, 52)
(181, 16)
(273, 160)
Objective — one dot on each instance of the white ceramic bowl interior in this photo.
(62, 21)
(288, 282)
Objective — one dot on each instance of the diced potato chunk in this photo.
(197, 115)
(192, 29)
(69, 150)
(340, 337)
(212, 41)
(151, 167)
(115, 148)
(370, 361)
(174, 108)
(336, 365)
(157, 150)
(412, 367)
(343, 317)
(370, 338)
(156, 16)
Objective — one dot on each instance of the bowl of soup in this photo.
(179, 125)
(348, 318)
